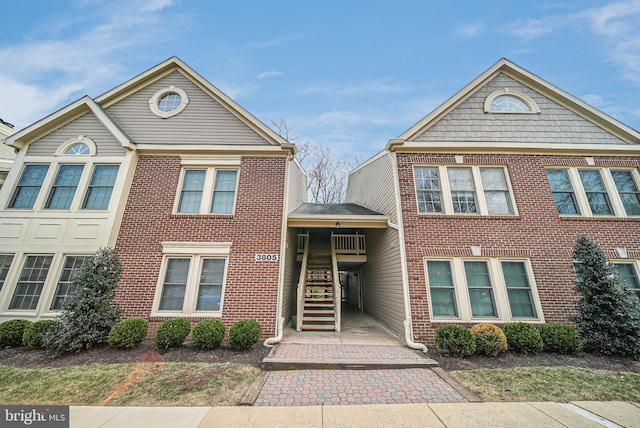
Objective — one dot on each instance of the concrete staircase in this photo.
(319, 312)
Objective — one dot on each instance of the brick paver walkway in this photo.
(342, 352)
(339, 387)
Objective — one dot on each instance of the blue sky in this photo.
(348, 75)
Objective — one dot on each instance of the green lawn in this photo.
(144, 384)
(560, 384)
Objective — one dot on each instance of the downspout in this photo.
(408, 324)
(283, 253)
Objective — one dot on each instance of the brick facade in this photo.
(251, 289)
(537, 232)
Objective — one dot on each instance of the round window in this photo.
(78, 149)
(168, 102)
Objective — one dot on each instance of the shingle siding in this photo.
(554, 123)
(203, 121)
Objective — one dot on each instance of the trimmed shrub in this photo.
(490, 339)
(523, 337)
(11, 332)
(128, 333)
(456, 339)
(561, 338)
(244, 334)
(34, 332)
(208, 334)
(172, 334)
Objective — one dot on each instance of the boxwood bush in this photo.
(34, 332)
(208, 334)
(11, 332)
(523, 337)
(490, 339)
(561, 338)
(128, 333)
(456, 339)
(244, 334)
(172, 334)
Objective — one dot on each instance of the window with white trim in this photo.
(506, 101)
(66, 287)
(192, 279)
(480, 190)
(100, 187)
(209, 190)
(31, 282)
(28, 188)
(595, 191)
(628, 271)
(5, 264)
(482, 289)
(64, 187)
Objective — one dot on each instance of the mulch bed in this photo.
(145, 352)
(542, 359)
(31, 358)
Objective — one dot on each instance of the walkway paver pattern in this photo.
(340, 387)
(343, 352)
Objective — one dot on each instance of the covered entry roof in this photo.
(336, 216)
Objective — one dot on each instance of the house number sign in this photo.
(266, 257)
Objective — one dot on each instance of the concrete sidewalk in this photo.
(576, 414)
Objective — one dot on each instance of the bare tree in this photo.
(327, 174)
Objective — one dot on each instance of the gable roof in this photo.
(529, 79)
(174, 63)
(66, 115)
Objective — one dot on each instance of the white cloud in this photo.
(152, 5)
(470, 30)
(532, 28)
(268, 74)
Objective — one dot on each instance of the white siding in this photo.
(203, 121)
(297, 186)
(372, 186)
(382, 291)
(87, 125)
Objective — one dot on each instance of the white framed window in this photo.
(192, 279)
(477, 289)
(207, 190)
(28, 187)
(483, 190)
(5, 265)
(100, 187)
(168, 102)
(64, 186)
(594, 192)
(79, 146)
(31, 281)
(628, 271)
(507, 101)
(65, 286)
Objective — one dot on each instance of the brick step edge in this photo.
(274, 364)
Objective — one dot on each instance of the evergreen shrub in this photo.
(208, 334)
(171, 334)
(523, 337)
(11, 332)
(456, 339)
(490, 339)
(561, 338)
(128, 333)
(34, 333)
(244, 334)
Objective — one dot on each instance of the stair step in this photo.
(318, 327)
(319, 311)
(318, 319)
(318, 299)
(325, 306)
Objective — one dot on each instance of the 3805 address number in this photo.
(266, 257)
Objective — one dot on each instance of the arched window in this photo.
(78, 146)
(505, 101)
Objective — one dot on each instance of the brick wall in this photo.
(537, 233)
(255, 227)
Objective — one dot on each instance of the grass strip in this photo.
(561, 384)
(143, 384)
